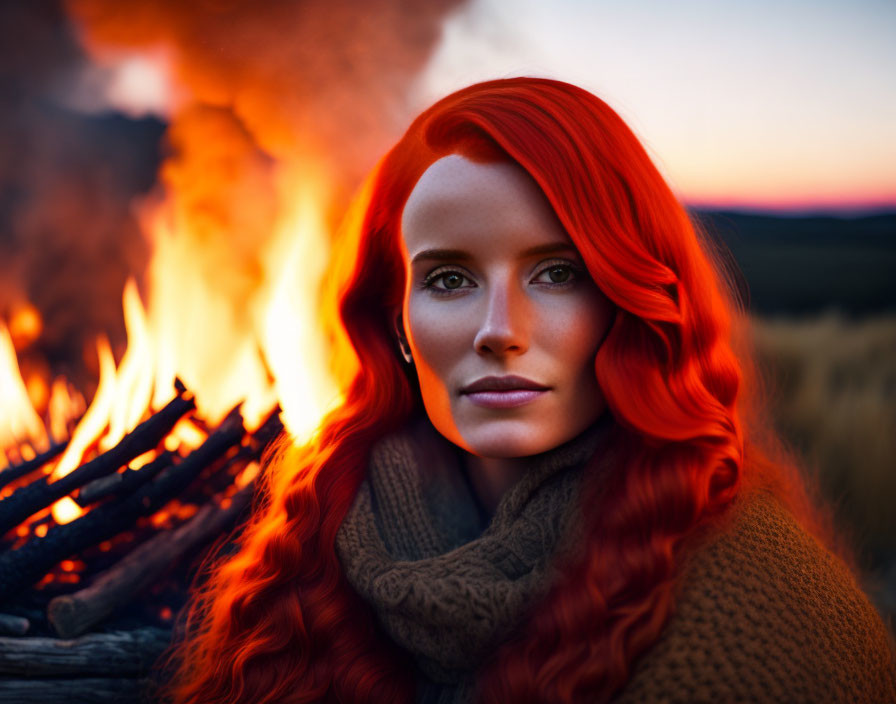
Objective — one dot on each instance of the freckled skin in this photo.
(499, 310)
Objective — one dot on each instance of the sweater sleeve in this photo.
(764, 613)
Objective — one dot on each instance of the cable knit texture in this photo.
(763, 612)
(414, 547)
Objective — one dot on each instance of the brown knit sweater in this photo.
(766, 614)
(763, 612)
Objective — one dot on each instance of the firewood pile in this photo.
(87, 607)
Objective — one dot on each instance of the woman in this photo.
(548, 481)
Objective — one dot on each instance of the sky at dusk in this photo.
(773, 105)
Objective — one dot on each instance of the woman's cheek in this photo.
(439, 339)
(571, 328)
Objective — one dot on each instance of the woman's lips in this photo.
(503, 391)
(504, 399)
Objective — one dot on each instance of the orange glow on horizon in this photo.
(787, 205)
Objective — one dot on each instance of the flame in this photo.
(240, 247)
(97, 416)
(65, 511)
(201, 328)
(292, 335)
(238, 225)
(251, 336)
(248, 473)
(258, 157)
(19, 422)
(134, 377)
(88, 430)
(65, 406)
(184, 435)
(143, 460)
(214, 210)
(38, 391)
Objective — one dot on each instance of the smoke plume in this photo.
(67, 237)
(273, 87)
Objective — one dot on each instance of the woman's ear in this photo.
(403, 345)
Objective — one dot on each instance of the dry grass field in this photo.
(832, 385)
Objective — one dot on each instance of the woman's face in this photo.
(501, 315)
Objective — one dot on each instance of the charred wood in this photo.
(223, 476)
(247, 453)
(81, 690)
(267, 432)
(41, 493)
(122, 483)
(73, 614)
(13, 625)
(28, 563)
(116, 654)
(10, 474)
(176, 478)
(143, 438)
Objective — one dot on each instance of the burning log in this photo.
(41, 493)
(32, 560)
(268, 430)
(114, 667)
(122, 483)
(250, 452)
(73, 614)
(10, 474)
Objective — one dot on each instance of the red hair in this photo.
(277, 621)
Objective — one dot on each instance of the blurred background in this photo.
(208, 151)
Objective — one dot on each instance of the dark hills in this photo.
(804, 265)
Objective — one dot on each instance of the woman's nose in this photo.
(504, 323)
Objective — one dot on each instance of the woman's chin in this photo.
(508, 438)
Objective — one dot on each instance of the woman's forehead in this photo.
(463, 204)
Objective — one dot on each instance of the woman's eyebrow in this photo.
(441, 255)
(461, 255)
(550, 248)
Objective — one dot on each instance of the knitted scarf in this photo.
(445, 582)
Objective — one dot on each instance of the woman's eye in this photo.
(446, 281)
(452, 280)
(559, 274)
(556, 274)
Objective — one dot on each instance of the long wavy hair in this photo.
(277, 620)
